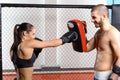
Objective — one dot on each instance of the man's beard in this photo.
(99, 24)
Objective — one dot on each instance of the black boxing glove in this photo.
(69, 37)
(37, 50)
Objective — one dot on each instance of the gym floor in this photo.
(56, 76)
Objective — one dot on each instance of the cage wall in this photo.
(50, 23)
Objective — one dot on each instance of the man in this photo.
(107, 43)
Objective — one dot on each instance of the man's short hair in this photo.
(101, 8)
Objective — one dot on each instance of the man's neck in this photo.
(106, 26)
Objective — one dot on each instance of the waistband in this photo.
(102, 75)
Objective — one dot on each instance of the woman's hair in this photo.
(18, 31)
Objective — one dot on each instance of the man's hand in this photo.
(114, 76)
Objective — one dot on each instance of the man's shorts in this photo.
(102, 75)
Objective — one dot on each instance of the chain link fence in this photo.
(50, 23)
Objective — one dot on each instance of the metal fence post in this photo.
(0, 44)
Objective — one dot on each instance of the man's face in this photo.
(96, 19)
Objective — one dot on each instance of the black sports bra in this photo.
(23, 63)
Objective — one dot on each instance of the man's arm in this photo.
(115, 44)
(91, 44)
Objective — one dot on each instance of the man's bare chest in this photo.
(102, 41)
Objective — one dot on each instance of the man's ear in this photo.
(103, 17)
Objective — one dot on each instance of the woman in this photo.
(22, 49)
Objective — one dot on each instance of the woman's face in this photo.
(31, 34)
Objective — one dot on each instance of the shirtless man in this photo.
(107, 43)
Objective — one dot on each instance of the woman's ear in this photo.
(24, 33)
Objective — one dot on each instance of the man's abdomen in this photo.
(104, 61)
